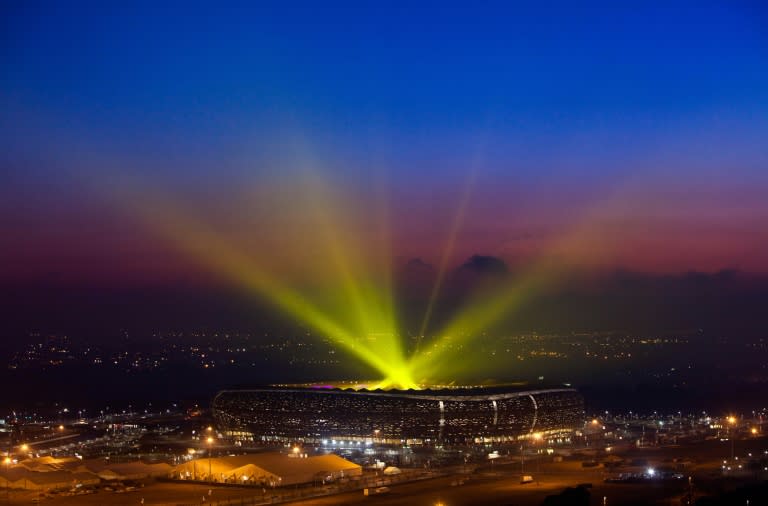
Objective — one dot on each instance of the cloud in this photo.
(483, 265)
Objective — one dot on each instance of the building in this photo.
(444, 416)
(267, 469)
(133, 471)
(51, 473)
(19, 477)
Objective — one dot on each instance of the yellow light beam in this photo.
(458, 221)
(206, 246)
(373, 308)
(347, 255)
(337, 248)
(577, 246)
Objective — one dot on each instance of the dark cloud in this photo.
(483, 265)
(417, 265)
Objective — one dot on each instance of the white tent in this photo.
(127, 470)
(267, 469)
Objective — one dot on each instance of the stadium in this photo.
(447, 416)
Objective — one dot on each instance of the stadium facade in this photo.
(429, 417)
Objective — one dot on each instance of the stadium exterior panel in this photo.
(445, 416)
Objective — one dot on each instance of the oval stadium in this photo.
(448, 416)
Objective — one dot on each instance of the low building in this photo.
(48, 463)
(135, 471)
(267, 469)
(20, 477)
(55, 480)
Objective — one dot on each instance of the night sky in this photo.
(610, 138)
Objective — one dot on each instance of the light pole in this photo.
(210, 449)
(537, 437)
(7, 462)
(732, 423)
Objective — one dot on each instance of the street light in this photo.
(210, 449)
(7, 462)
(537, 436)
(732, 421)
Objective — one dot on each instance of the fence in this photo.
(279, 495)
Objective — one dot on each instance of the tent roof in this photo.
(137, 466)
(49, 463)
(19, 473)
(50, 477)
(278, 464)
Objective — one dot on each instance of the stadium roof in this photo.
(441, 394)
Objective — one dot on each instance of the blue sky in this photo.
(541, 93)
